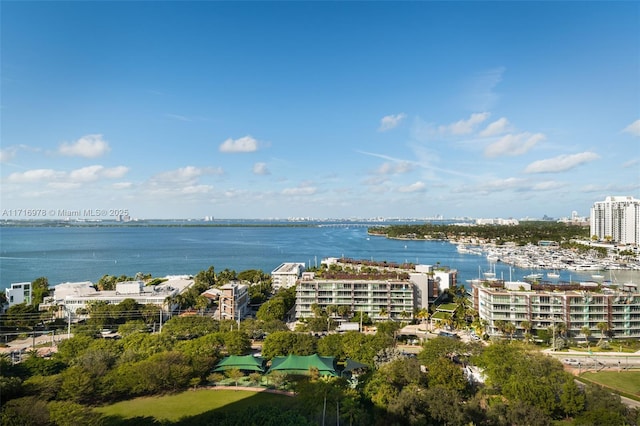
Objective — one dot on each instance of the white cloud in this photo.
(89, 146)
(115, 172)
(504, 184)
(547, 185)
(397, 167)
(633, 128)
(59, 179)
(630, 163)
(301, 190)
(561, 163)
(512, 145)
(197, 189)
(86, 174)
(7, 154)
(261, 169)
(495, 128)
(480, 92)
(36, 175)
(464, 127)
(388, 122)
(64, 185)
(186, 174)
(244, 144)
(414, 187)
(122, 185)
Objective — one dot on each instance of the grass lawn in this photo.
(190, 403)
(624, 381)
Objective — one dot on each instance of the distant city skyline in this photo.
(318, 109)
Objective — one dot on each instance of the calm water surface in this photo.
(86, 253)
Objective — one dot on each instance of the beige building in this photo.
(234, 301)
(543, 306)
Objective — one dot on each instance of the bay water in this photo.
(86, 253)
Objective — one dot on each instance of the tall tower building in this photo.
(618, 219)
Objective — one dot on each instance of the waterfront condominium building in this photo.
(540, 307)
(380, 299)
(381, 290)
(617, 219)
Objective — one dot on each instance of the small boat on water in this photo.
(553, 275)
(533, 276)
(597, 276)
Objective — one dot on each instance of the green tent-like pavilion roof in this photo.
(297, 364)
(246, 362)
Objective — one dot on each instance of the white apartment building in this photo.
(286, 275)
(617, 218)
(579, 305)
(19, 293)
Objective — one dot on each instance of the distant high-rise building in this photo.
(616, 219)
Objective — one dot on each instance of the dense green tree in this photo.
(190, 327)
(205, 279)
(44, 387)
(66, 413)
(448, 375)
(236, 342)
(39, 290)
(572, 399)
(20, 317)
(365, 318)
(69, 349)
(254, 276)
(10, 387)
(37, 365)
(26, 411)
(77, 385)
(138, 346)
(274, 309)
(387, 382)
(107, 282)
(282, 343)
(226, 276)
(331, 345)
(130, 327)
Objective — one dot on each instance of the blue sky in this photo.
(319, 109)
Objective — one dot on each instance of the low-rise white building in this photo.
(286, 275)
(19, 293)
(75, 297)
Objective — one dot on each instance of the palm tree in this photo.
(586, 332)
(501, 326)
(526, 326)
(603, 327)
(344, 310)
(510, 328)
(384, 312)
(316, 309)
(422, 314)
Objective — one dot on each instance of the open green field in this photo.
(623, 381)
(191, 403)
